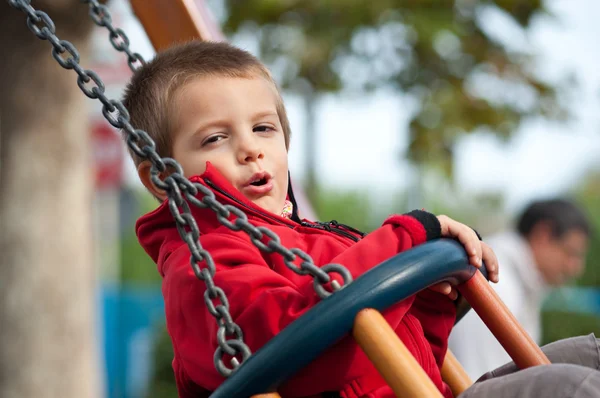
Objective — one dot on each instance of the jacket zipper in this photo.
(336, 226)
(347, 227)
(332, 226)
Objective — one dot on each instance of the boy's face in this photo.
(233, 123)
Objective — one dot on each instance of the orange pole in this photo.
(455, 375)
(391, 358)
(267, 395)
(502, 323)
(171, 21)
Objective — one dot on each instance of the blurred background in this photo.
(467, 108)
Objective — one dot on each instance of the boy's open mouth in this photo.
(259, 182)
(259, 179)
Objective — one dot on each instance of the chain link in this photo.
(100, 14)
(229, 334)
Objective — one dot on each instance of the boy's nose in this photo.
(250, 151)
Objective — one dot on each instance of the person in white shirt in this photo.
(547, 249)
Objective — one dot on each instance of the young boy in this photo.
(217, 111)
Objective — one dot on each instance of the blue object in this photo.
(582, 300)
(306, 338)
(130, 317)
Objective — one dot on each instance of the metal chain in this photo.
(101, 16)
(229, 334)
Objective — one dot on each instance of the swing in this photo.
(354, 307)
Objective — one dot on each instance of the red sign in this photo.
(107, 152)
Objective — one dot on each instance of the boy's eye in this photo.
(262, 129)
(212, 139)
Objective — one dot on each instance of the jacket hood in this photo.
(157, 232)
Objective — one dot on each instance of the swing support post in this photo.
(175, 21)
(502, 323)
(455, 375)
(405, 376)
(390, 356)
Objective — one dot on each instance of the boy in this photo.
(217, 111)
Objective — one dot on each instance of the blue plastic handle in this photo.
(327, 322)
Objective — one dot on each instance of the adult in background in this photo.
(547, 249)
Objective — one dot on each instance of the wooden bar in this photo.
(455, 375)
(267, 395)
(390, 356)
(173, 21)
(502, 323)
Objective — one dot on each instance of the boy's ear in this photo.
(145, 177)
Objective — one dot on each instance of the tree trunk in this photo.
(311, 145)
(47, 300)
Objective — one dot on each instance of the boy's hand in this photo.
(476, 250)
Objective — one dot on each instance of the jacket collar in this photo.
(156, 230)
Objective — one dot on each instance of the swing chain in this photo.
(177, 186)
(101, 16)
(262, 237)
(113, 110)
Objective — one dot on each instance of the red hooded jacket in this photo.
(265, 296)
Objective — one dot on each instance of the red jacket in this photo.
(265, 296)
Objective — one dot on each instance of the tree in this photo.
(461, 75)
(587, 194)
(47, 284)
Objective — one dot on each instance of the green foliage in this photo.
(136, 265)
(352, 207)
(588, 195)
(558, 325)
(162, 382)
(365, 211)
(441, 52)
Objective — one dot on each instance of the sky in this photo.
(362, 140)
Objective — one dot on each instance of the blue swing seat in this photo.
(327, 322)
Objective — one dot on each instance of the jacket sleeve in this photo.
(436, 313)
(262, 302)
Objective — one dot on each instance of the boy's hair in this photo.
(148, 96)
(562, 215)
